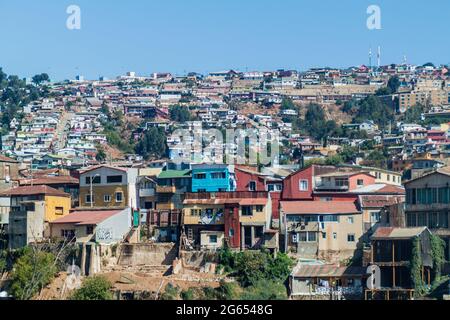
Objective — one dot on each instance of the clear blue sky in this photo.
(213, 35)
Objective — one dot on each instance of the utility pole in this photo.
(91, 189)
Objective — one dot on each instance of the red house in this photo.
(249, 179)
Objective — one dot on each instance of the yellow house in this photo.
(109, 187)
(56, 203)
(32, 209)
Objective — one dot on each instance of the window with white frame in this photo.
(303, 185)
(107, 198)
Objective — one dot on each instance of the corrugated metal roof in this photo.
(397, 233)
(171, 174)
(325, 271)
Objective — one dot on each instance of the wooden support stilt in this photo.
(393, 264)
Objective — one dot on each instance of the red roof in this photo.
(319, 207)
(6, 159)
(87, 217)
(242, 202)
(34, 190)
(375, 201)
(49, 180)
(391, 189)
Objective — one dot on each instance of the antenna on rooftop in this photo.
(379, 57)
(370, 58)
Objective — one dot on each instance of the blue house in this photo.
(212, 178)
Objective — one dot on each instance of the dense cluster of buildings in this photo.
(52, 186)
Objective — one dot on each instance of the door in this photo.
(248, 237)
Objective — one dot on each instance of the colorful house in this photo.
(108, 187)
(212, 178)
(242, 220)
(330, 231)
(32, 209)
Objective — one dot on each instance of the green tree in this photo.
(179, 113)
(171, 292)
(101, 154)
(40, 78)
(415, 265)
(414, 114)
(393, 84)
(373, 108)
(438, 254)
(95, 288)
(287, 104)
(152, 144)
(31, 272)
(265, 290)
(316, 124)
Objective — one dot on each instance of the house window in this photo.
(213, 239)
(89, 229)
(95, 180)
(350, 220)
(307, 237)
(360, 182)
(303, 185)
(375, 216)
(247, 210)
(107, 198)
(324, 235)
(200, 176)
(88, 198)
(259, 208)
(334, 235)
(59, 211)
(231, 233)
(341, 182)
(351, 237)
(218, 175)
(252, 186)
(68, 234)
(148, 205)
(119, 196)
(114, 179)
(411, 220)
(30, 207)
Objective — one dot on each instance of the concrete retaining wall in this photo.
(147, 254)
